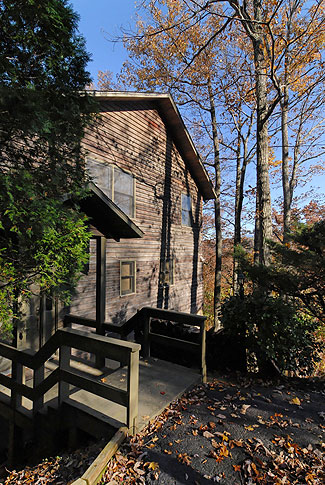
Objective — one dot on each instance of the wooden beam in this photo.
(203, 353)
(173, 316)
(133, 392)
(106, 391)
(100, 283)
(174, 342)
(100, 291)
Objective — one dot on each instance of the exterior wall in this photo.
(133, 137)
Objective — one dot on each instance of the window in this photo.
(115, 183)
(127, 277)
(186, 210)
(166, 275)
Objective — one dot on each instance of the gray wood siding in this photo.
(134, 138)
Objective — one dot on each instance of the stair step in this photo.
(89, 420)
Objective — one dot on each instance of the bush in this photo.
(272, 329)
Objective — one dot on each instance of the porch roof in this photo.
(107, 217)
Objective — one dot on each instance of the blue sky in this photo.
(100, 20)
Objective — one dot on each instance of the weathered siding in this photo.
(135, 139)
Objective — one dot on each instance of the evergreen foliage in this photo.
(43, 61)
(297, 269)
(273, 330)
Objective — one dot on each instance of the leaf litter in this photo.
(253, 441)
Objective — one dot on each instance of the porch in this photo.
(49, 398)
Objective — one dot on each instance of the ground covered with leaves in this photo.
(233, 430)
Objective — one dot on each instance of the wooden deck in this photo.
(160, 382)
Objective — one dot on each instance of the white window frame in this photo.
(131, 276)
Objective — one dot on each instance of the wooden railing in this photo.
(127, 353)
(142, 320)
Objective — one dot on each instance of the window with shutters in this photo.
(127, 277)
(117, 184)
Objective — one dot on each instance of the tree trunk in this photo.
(240, 181)
(237, 232)
(264, 195)
(217, 212)
(285, 165)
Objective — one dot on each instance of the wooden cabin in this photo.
(147, 173)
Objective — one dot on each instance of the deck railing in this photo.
(127, 353)
(142, 320)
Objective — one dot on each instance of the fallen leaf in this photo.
(296, 401)
(208, 435)
(244, 408)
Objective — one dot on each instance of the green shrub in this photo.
(272, 329)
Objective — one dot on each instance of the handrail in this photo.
(63, 340)
(142, 319)
(148, 313)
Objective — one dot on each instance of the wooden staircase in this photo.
(40, 413)
(31, 417)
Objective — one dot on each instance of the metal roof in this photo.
(174, 122)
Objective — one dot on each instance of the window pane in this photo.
(126, 268)
(123, 182)
(126, 285)
(166, 275)
(186, 218)
(124, 202)
(101, 175)
(186, 202)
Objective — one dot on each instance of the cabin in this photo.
(145, 216)
(145, 169)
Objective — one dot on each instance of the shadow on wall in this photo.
(120, 315)
(163, 291)
(150, 280)
(196, 226)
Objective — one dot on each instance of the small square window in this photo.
(127, 277)
(186, 210)
(166, 275)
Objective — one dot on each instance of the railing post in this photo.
(38, 377)
(17, 373)
(100, 291)
(64, 364)
(203, 352)
(133, 391)
(146, 335)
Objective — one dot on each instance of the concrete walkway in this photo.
(160, 382)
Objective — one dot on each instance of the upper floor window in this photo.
(115, 183)
(186, 210)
